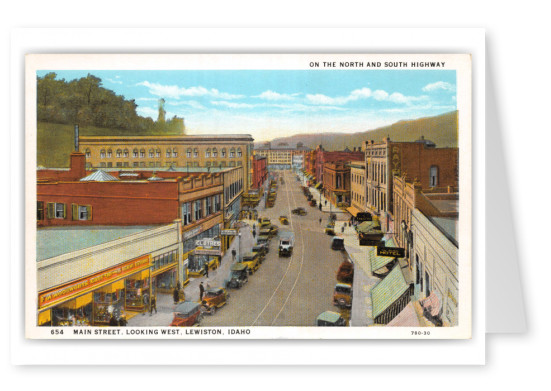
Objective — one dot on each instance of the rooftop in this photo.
(51, 242)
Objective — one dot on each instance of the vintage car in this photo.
(313, 202)
(337, 243)
(284, 220)
(265, 222)
(330, 318)
(342, 295)
(239, 275)
(265, 232)
(345, 273)
(263, 240)
(274, 229)
(330, 230)
(261, 250)
(213, 299)
(187, 313)
(300, 211)
(252, 260)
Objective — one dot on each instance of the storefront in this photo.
(164, 272)
(201, 239)
(95, 299)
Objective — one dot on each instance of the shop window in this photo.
(137, 292)
(56, 210)
(40, 210)
(108, 303)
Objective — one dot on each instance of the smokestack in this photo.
(76, 138)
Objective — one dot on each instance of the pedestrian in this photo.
(325, 202)
(201, 291)
(320, 220)
(254, 227)
(153, 305)
(342, 228)
(320, 207)
(254, 234)
(233, 254)
(206, 270)
(176, 295)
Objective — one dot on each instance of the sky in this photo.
(276, 103)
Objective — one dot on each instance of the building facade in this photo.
(357, 187)
(321, 157)
(260, 171)
(205, 151)
(281, 157)
(336, 186)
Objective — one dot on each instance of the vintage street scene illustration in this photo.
(202, 198)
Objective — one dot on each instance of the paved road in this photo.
(287, 291)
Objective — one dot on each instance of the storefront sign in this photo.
(207, 243)
(368, 242)
(86, 284)
(191, 233)
(395, 252)
(228, 232)
(207, 252)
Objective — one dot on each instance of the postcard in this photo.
(248, 196)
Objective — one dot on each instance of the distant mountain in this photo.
(441, 129)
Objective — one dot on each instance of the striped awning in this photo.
(390, 289)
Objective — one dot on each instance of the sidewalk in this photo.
(329, 208)
(364, 281)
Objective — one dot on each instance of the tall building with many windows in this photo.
(199, 151)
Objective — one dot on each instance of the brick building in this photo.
(260, 171)
(357, 188)
(336, 185)
(321, 156)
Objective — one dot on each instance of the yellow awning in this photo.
(117, 285)
(83, 300)
(44, 317)
(353, 211)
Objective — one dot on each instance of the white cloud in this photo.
(233, 105)
(176, 92)
(272, 95)
(191, 103)
(439, 85)
(363, 93)
(114, 81)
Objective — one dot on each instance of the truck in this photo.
(286, 242)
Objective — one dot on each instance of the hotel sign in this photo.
(67, 291)
(395, 252)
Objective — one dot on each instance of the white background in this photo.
(518, 57)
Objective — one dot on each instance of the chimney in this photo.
(76, 138)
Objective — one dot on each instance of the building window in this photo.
(208, 201)
(433, 180)
(136, 164)
(142, 164)
(168, 153)
(207, 164)
(427, 284)
(223, 153)
(214, 152)
(125, 164)
(188, 152)
(87, 153)
(186, 213)
(151, 153)
(151, 164)
(109, 154)
(103, 165)
(198, 209)
(142, 153)
(40, 210)
(102, 154)
(239, 153)
(118, 153)
(125, 153)
(207, 152)
(119, 164)
(109, 164)
(81, 212)
(56, 210)
(135, 153)
(175, 152)
(195, 152)
(239, 163)
(217, 203)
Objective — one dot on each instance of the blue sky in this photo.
(269, 104)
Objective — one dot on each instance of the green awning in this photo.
(369, 227)
(384, 294)
(377, 261)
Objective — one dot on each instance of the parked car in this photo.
(239, 275)
(330, 318)
(342, 295)
(345, 273)
(263, 240)
(252, 261)
(330, 230)
(213, 299)
(283, 220)
(261, 250)
(299, 211)
(187, 313)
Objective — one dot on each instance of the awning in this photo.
(353, 211)
(369, 227)
(377, 261)
(431, 304)
(406, 318)
(318, 185)
(390, 289)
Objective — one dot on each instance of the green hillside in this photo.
(56, 141)
(441, 129)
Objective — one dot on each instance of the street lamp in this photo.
(239, 245)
